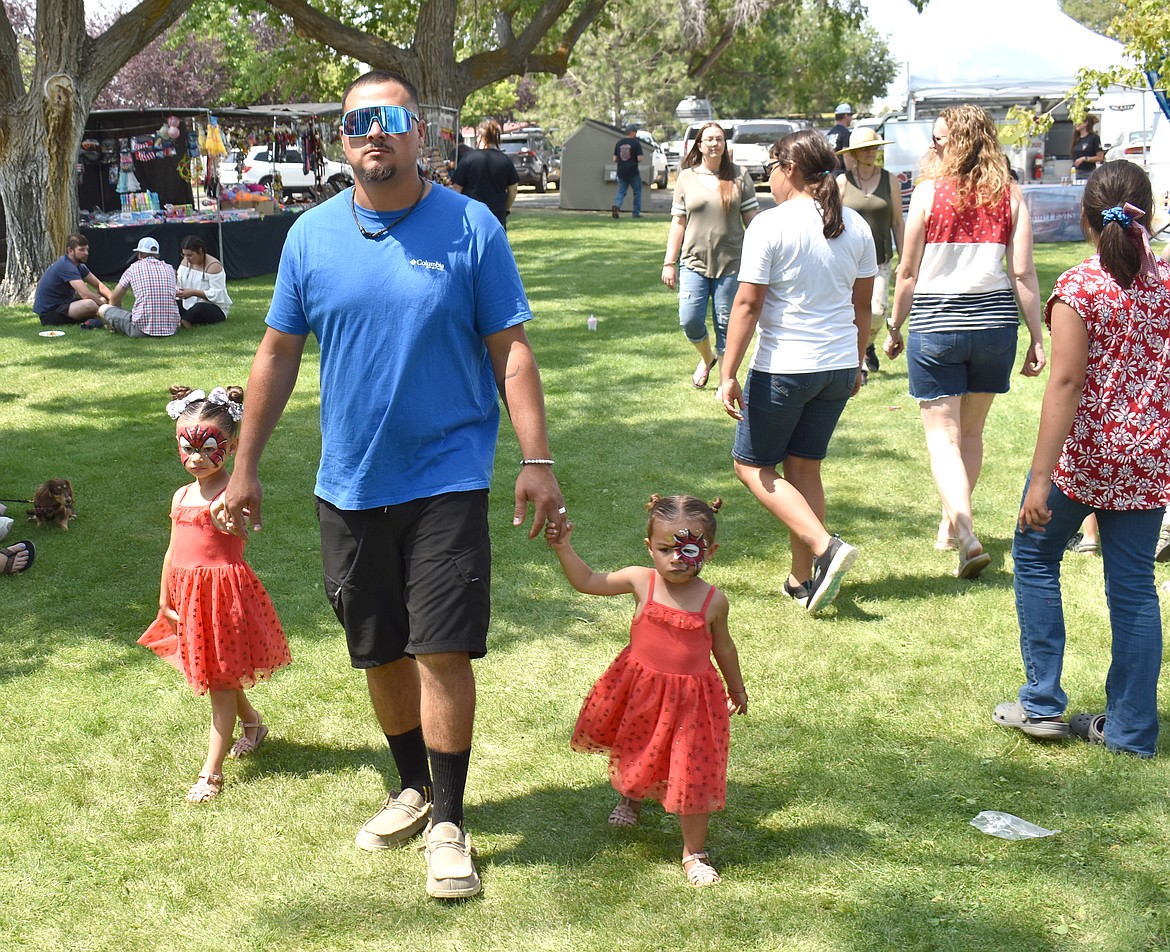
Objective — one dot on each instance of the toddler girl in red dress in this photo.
(660, 710)
(215, 622)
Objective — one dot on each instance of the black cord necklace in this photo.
(422, 185)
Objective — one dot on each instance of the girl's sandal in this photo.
(247, 745)
(625, 813)
(207, 787)
(700, 873)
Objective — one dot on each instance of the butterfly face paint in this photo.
(690, 549)
(210, 442)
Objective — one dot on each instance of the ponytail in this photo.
(815, 162)
(1116, 196)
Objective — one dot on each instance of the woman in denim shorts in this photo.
(962, 301)
(806, 280)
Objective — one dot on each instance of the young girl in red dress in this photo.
(660, 710)
(215, 622)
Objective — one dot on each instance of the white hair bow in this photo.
(176, 407)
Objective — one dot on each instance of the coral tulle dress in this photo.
(228, 634)
(660, 711)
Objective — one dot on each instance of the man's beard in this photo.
(377, 173)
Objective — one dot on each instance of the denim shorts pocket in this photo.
(786, 386)
(938, 346)
(998, 341)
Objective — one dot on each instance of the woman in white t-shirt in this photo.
(806, 281)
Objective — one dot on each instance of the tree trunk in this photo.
(43, 119)
(38, 188)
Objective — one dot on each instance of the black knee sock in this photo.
(410, 757)
(450, 774)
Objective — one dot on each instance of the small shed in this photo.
(588, 173)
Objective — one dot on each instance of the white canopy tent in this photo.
(993, 42)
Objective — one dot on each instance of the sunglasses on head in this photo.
(392, 120)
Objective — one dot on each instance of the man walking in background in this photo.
(627, 155)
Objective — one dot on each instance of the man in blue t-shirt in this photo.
(68, 292)
(414, 297)
(627, 155)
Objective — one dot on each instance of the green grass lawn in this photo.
(868, 748)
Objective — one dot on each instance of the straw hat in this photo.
(863, 139)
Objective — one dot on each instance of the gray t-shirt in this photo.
(713, 238)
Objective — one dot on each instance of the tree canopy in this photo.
(637, 61)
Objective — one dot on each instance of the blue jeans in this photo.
(694, 291)
(1127, 553)
(623, 184)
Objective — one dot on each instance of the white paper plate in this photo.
(52, 333)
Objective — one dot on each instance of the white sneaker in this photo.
(450, 868)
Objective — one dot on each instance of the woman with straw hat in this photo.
(876, 195)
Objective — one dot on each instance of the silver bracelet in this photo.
(537, 462)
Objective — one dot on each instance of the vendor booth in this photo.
(157, 172)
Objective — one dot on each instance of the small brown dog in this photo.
(53, 503)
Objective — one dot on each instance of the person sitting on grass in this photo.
(1104, 449)
(68, 292)
(660, 710)
(153, 281)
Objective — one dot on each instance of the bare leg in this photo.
(786, 500)
(954, 441)
(223, 726)
(706, 359)
(394, 692)
(1089, 534)
(448, 700)
(805, 476)
(694, 831)
(698, 868)
(247, 714)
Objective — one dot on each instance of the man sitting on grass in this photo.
(64, 294)
(153, 281)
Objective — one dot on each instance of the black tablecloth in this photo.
(251, 246)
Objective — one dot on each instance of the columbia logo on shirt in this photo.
(432, 265)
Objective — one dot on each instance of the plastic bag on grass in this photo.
(1008, 827)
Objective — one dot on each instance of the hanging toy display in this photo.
(213, 146)
(126, 169)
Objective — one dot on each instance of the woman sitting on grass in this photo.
(1103, 448)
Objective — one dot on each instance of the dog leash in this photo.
(29, 501)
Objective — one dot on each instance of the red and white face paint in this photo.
(209, 442)
(690, 549)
